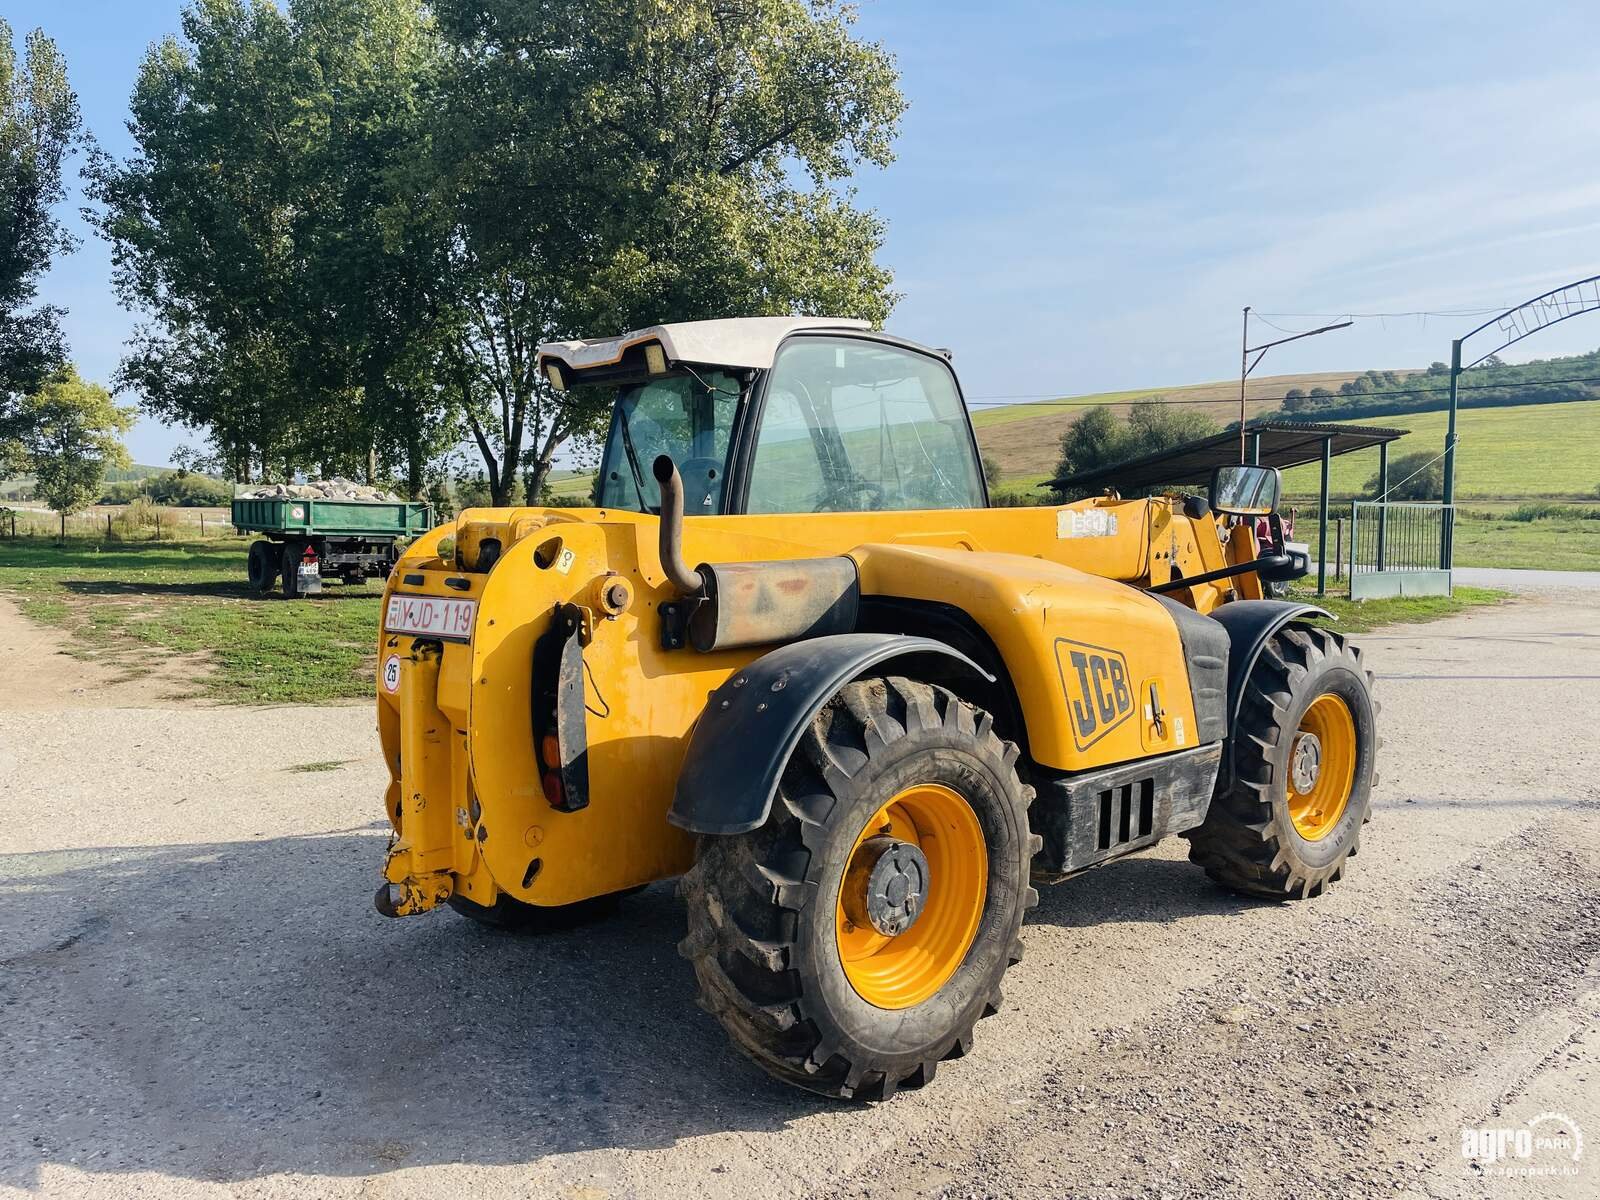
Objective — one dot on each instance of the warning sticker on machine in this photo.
(1092, 522)
(391, 674)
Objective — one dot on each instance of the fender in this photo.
(1250, 623)
(753, 722)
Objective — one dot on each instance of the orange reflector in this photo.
(550, 751)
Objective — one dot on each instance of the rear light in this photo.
(550, 751)
(552, 789)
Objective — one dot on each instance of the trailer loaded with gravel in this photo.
(316, 532)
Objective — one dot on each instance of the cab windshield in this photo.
(688, 416)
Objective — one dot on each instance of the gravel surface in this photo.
(197, 997)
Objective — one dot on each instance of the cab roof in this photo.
(737, 342)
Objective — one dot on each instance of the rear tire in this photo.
(261, 566)
(291, 568)
(768, 931)
(1291, 817)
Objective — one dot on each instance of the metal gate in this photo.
(1397, 548)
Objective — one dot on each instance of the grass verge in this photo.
(1358, 616)
(137, 606)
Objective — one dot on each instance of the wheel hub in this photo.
(1305, 764)
(888, 884)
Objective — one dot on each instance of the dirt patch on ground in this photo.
(47, 675)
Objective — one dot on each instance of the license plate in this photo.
(434, 616)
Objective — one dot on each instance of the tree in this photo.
(253, 224)
(599, 165)
(1097, 439)
(991, 470)
(1094, 440)
(39, 128)
(71, 434)
(351, 222)
(1154, 426)
(1416, 476)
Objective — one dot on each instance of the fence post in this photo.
(202, 525)
(158, 528)
(1383, 501)
(1338, 548)
(1355, 538)
(1322, 520)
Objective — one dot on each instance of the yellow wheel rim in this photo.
(904, 969)
(1322, 767)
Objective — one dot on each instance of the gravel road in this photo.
(198, 999)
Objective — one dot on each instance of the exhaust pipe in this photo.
(730, 606)
(684, 578)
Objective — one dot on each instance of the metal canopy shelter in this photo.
(1280, 444)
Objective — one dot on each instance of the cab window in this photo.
(858, 426)
(688, 416)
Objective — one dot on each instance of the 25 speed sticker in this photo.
(391, 674)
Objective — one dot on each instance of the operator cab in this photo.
(777, 415)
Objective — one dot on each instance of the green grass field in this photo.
(1531, 450)
(570, 484)
(134, 606)
(1484, 540)
(1358, 616)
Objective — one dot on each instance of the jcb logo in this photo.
(1099, 697)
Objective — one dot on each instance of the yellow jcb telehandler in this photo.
(791, 655)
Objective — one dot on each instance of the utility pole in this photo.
(1244, 372)
(1447, 521)
(1246, 365)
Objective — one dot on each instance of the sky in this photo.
(1086, 195)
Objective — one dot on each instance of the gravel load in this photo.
(337, 488)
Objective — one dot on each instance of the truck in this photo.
(308, 540)
(794, 658)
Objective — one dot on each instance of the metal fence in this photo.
(1399, 548)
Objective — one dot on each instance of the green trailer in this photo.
(309, 541)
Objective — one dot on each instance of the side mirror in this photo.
(1245, 491)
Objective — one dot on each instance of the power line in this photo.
(1421, 312)
(1154, 398)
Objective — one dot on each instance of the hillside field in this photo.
(1026, 438)
(1537, 450)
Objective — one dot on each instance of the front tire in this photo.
(1303, 754)
(850, 943)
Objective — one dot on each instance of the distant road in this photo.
(1527, 581)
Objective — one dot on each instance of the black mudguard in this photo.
(753, 722)
(1250, 624)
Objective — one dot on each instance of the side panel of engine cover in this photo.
(1099, 668)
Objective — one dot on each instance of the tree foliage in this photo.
(1098, 439)
(1417, 476)
(1492, 384)
(247, 226)
(39, 128)
(351, 222)
(71, 433)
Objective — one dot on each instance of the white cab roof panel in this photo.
(737, 342)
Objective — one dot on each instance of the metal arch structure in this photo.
(1533, 316)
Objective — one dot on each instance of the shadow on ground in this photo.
(226, 1011)
(212, 589)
